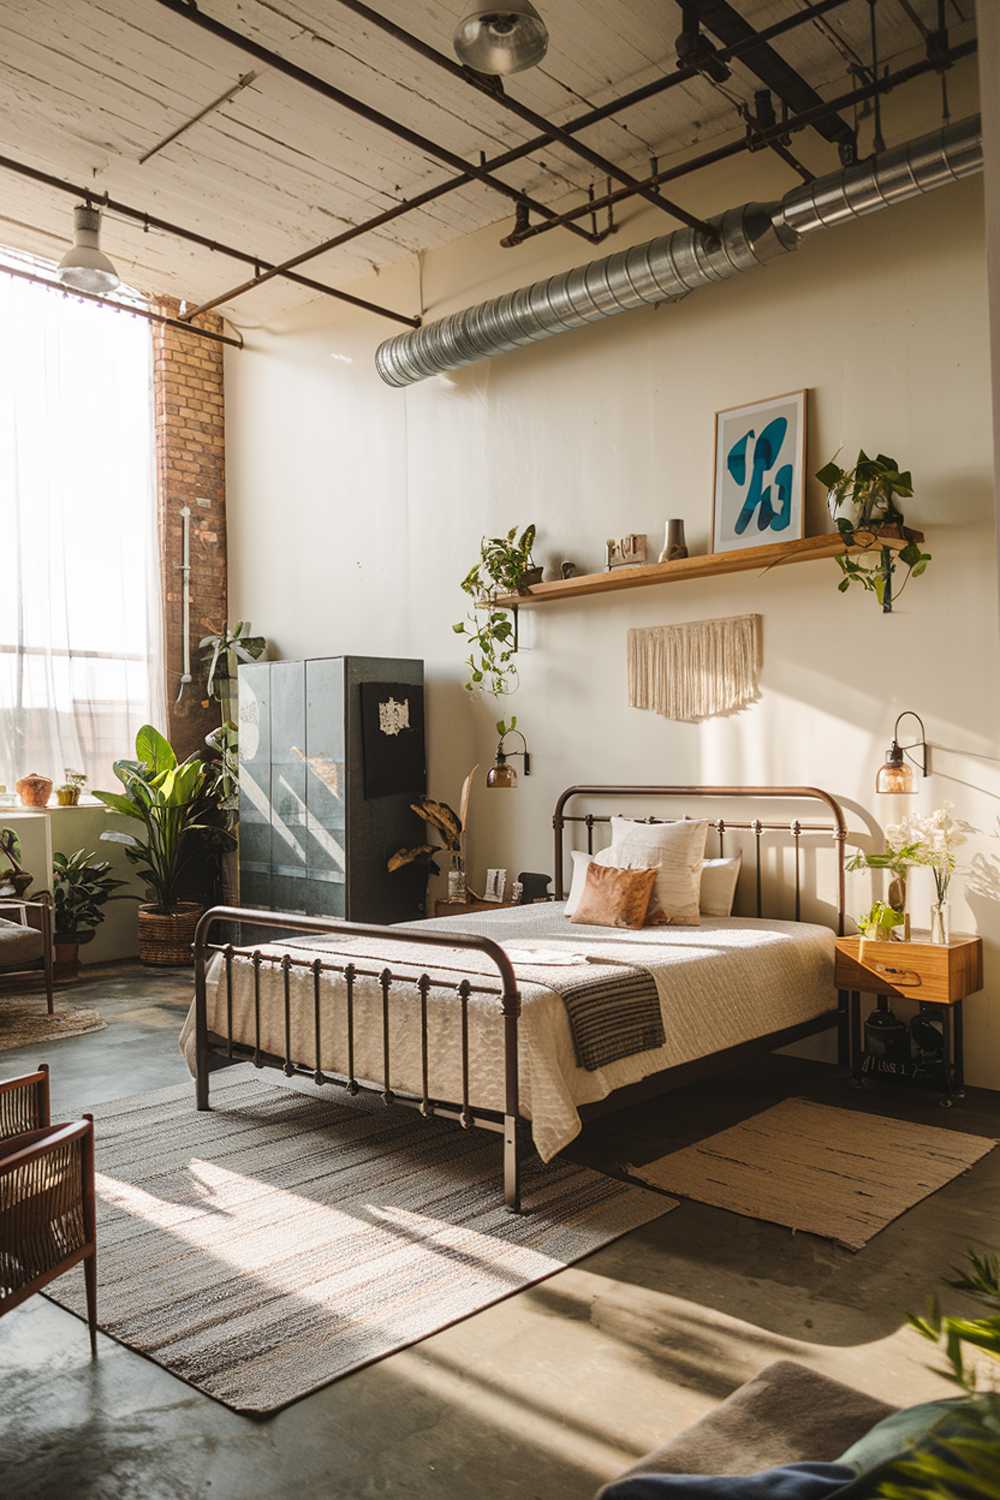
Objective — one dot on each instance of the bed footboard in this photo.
(213, 1051)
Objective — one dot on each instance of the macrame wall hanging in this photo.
(696, 670)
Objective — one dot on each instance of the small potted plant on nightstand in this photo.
(82, 886)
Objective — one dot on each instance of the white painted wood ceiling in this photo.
(88, 86)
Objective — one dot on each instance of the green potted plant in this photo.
(172, 802)
(505, 567)
(68, 792)
(869, 492)
(82, 886)
(879, 923)
(222, 654)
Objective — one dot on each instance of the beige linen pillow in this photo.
(614, 898)
(719, 879)
(678, 852)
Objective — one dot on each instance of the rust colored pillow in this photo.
(615, 898)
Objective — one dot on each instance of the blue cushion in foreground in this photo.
(808, 1481)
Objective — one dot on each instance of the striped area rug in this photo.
(838, 1173)
(281, 1240)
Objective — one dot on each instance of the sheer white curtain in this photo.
(80, 654)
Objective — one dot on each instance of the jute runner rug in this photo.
(279, 1241)
(24, 1022)
(838, 1173)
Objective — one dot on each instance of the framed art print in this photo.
(760, 458)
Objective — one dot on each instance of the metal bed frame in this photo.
(214, 1051)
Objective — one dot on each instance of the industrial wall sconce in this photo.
(895, 777)
(501, 773)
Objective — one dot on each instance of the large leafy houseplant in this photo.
(82, 886)
(868, 495)
(505, 564)
(169, 800)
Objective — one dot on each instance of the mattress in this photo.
(726, 982)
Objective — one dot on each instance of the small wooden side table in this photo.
(465, 908)
(938, 974)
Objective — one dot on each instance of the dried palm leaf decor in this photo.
(695, 670)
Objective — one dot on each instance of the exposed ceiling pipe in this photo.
(669, 267)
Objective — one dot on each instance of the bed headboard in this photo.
(835, 827)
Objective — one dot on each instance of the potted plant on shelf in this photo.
(505, 567)
(172, 803)
(82, 886)
(869, 492)
(68, 793)
(222, 654)
(879, 923)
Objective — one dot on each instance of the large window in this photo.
(79, 567)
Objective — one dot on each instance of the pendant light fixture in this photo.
(501, 39)
(85, 267)
(895, 777)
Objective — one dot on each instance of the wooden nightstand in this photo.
(464, 908)
(938, 975)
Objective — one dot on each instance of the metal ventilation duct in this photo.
(672, 265)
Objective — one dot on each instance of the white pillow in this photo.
(717, 893)
(679, 851)
(719, 879)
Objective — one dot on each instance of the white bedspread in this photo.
(725, 982)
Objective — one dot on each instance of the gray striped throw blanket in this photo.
(613, 1013)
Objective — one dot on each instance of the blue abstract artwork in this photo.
(759, 460)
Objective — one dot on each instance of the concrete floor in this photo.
(545, 1395)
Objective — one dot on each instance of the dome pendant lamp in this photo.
(85, 267)
(501, 39)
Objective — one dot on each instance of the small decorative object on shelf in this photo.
(68, 794)
(674, 545)
(626, 551)
(894, 777)
(869, 490)
(502, 774)
(534, 887)
(567, 569)
(34, 790)
(496, 884)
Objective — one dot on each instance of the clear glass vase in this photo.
(457, 888)
(941, 922)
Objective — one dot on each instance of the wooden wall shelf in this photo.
(709, 565)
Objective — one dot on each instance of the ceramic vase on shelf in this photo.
(941, 922)
(674, 545)
(34, 790)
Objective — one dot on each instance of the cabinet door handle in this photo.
(900, 977)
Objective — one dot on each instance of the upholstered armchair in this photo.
(47, 1204)
(26, 941)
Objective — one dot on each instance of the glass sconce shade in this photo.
(895, 777)
(502, 39)
(85, 267)
(501, 775)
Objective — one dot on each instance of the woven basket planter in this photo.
(167, 940)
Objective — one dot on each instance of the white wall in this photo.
(354, 510)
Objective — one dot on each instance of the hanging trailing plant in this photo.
(869, 491)
(505, 566)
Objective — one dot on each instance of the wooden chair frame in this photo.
(45, 965)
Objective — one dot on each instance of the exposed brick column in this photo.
(191, 470)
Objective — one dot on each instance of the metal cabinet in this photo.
(310, 839)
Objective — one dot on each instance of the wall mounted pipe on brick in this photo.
(674, 265)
